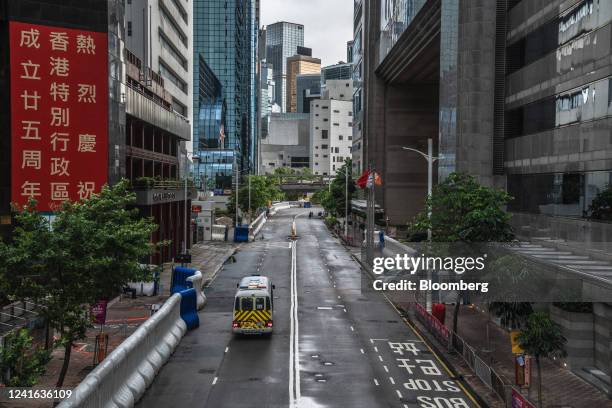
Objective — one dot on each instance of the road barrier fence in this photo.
(122, 378)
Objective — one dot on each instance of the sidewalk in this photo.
(124, 315)
(560, 387)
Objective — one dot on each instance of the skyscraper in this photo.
(225, 36)
(282, 42)
(340, 70)
(296, 65)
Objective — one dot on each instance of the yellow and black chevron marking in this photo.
(252, 315)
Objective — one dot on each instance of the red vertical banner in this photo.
(59, 114)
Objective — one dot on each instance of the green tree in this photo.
(21, 364)
(263, 190)
(601, 207)
(542, 338)
(462, 210)
(335, 198)
(89, 252)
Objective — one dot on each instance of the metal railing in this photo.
(451, 341)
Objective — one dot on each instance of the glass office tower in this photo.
(282, 42)
(223, 35)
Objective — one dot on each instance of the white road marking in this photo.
(362, 352)
(294, 349)
(376, 382)
(392, 380)
(380, 358)
(324, 307)
(344, 309)
(376, 349)
(386, 369)
(226, 349)
(352, 328)
(215, 380)
(399, 394)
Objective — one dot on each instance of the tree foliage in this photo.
(334, 199)
(21, 364)
(463, 210)
(263, 190)
(88, 253)
(542, 338)
(601, 207)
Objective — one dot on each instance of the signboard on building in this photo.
(59, 114)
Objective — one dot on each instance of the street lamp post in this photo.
(430, 160)
(346, 202)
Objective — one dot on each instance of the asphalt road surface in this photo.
(334, 344)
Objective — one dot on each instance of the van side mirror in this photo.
(237, 285)
(273, 286)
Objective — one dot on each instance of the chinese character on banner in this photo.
(87, 143)
(86, 189)
(59, 118)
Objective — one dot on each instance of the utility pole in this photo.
(346, 202)
(186, 218)
(237, 185)
(430, 160)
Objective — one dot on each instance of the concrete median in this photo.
(122, 378)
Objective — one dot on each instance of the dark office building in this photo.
(516, 93)
(211, 165)
(308, 89)
(339, 71)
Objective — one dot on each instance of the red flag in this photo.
(363, 180)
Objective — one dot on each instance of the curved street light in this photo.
(430, 158)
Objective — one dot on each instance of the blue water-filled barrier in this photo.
(189, 308)
(179, 279)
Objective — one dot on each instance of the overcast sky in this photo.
(328, 24)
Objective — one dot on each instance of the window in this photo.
(324, 107)
(260, 303)
(316, 164)
(247, 303)
(337, 150)
(325, 134)
(350, 138)
(340, 137)
(325, 120)
(350, 113)
(336, 124)
(316, 147)
(325, 156)
(317, 155)
(336, 111)
(271, 164)
(324, 147)
(350, 124)
(129, 28)
(342, 95)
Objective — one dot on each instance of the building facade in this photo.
(158, 33)
(297, 65)
(357, 62)
(341, 70)
(282, 41)
(308, 88)
(515, 93)
(287, 143)
(331, 127)
(224, 36)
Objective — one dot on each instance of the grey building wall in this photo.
(287, 144)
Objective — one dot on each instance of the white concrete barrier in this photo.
(197, 281)
(122, 378)
(257, 225)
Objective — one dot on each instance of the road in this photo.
(335, 343)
